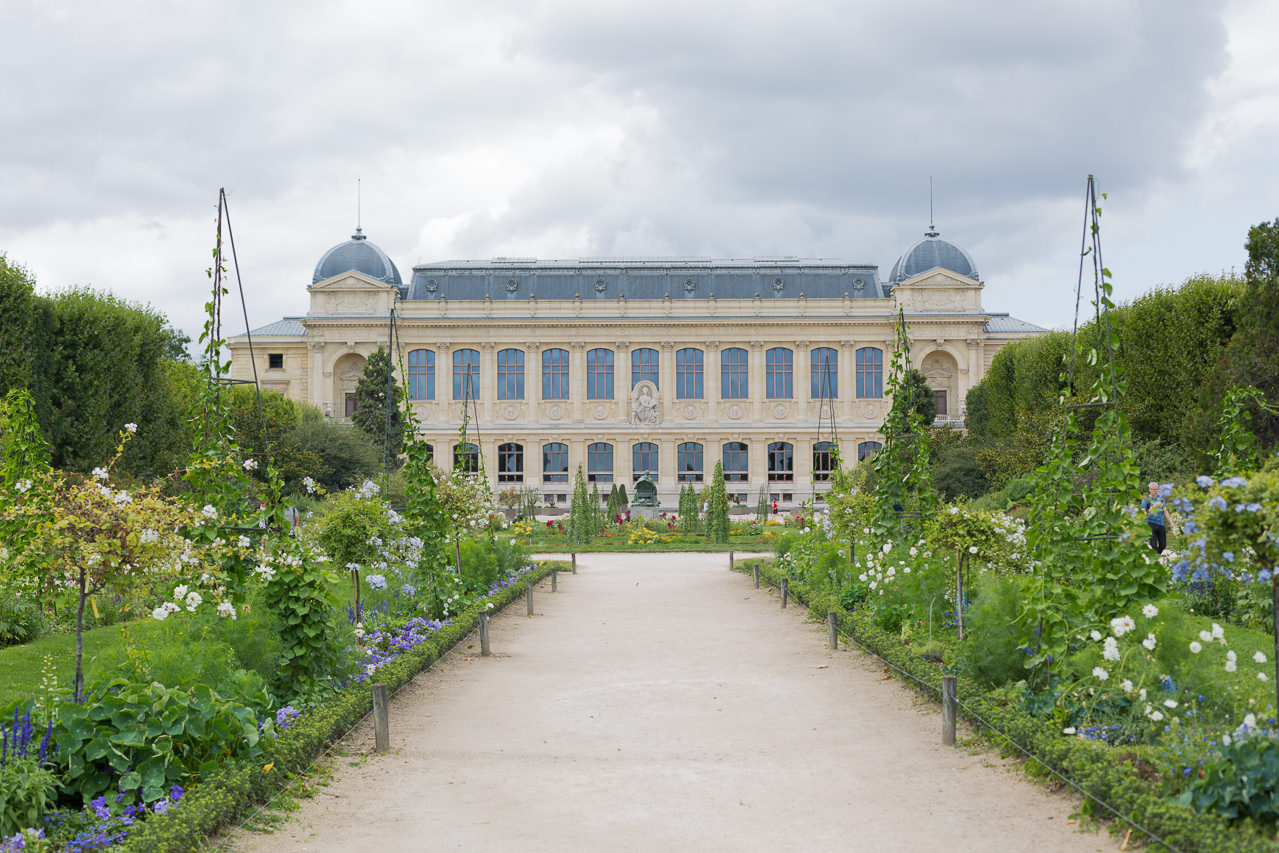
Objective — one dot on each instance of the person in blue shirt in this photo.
(1157, 518)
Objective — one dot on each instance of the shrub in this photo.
(20, 621)
(1241, 780)
(992, 654)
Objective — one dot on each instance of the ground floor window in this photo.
(736, 462)
(466, 457)
(688, 462)
(599, 462)
(555, 463)
(867, 449)
(781, 462)
(510, 463)
(823, 461)
(644, 460)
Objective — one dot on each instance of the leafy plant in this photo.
(1241, 780)
(299, 591)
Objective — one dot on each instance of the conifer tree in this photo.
(581, 519)
(717, 512)
(371, 406)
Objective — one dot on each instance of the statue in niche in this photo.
(645, 408)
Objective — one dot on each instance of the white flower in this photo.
(244, 541)
(1170, 703)
(209, 511)
(1217, 632)
(1195, 647)
(310, 485)
(1125, 686)
(180, 591)
(1149, 642)
(1250, 720)
(100, 473)
(23, 486)
(1095, 634)
(1150, 611)
(250, 464)
(122, 498)
(1261, 676)
(1206, 636)
(131, 427)
(972, 549)
(1069, 730)
(265, 571)
(1100, 673)
(1259, 657)
(1122, 625)
(1156, 715)
(1230, 655)
(160, 613)
(888, 546)
(148, 536)
(193, 601)
(1142, 694)
(1111, 650)
(1231, 666)
(226, 610)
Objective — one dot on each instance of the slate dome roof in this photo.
(930, 253)
(360, 255)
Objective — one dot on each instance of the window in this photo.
(644, 366)
(736, 463)
(781, 462)
(599, 462)
(466, 374)
(422, 374)
(867, 449)
(778, 373)
(870, 372)
(824, 373)
(555, 374)
(823, 461)
(510, 374)
(688, 374)
(555, 463)
(734, 374)
(939, 398)
(644, 460)
(599, 374)
(349, 403)
(275, 361)
(688, 462)
(510, 462)
(466, 457)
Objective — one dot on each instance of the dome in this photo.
(359, 255)
(930, 253)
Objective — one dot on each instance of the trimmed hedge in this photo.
(1104, 772)
(231, 791)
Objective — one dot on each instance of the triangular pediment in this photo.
(939, 277)
(351, 281)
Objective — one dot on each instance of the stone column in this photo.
(847, 380)
(711, 380)
(576, 383)
(800, 377)
(666, 372)
(755, 382)
(486, 399)
(318, 391)
(622, 379)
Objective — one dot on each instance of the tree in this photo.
(919, 396)
(717, 511)
(372, 392)
(1253, 354)
(346, 458)
(581, 519)
(17, 307)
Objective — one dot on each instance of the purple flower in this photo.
(161, 806)
(176, 793)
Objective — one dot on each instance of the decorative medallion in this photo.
(512, 286)
(555, 412)
(431, 286)
(779, 411)
(778, 284)
(600, 286)
(510, 413)
(601, 412)
(859, 284)
(689, 285)
(734, 412)
(869, 410)
(690, 412)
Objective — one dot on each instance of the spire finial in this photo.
(932, 229)
(359, 232)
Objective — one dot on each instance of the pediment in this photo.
(351, 281)
(939, 277)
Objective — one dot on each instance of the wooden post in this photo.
(832, 628)
(484, 635)
(457, 552)
(785, 591)
(381, 725)
(528, 596)
(755, 572)
(574, 562)
(554, 580)
(732, 564)
(949, 707)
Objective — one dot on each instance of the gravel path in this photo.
(661, 702)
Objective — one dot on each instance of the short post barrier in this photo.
(785, 591)
(949, 707)
(528, 596)
(574, 562)
(755, 572)
(381, 725)
(484, 635)
(732, 566)
(832, 628)
(555, 580)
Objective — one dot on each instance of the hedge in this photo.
(1103, 772)
(231, 791)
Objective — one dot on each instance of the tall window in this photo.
(422, 374)
(644, 460)
(599, 374)
(555, 463)
(736, 463)
(688, 462)
(644, 366)
(781, 462)
(510, 462)
(510, 374)
(824, 371)
(939, 400)
(555, 374)
(870, 372)
(823, 461)
(599, 462)
(688, 374)
(779, 373)
(466, 374)
(867, 449)
(466, 457)
(734, 374)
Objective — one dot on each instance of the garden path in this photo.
(661, 702)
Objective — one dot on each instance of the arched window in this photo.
(736, 462)
(824, 461)
(510, 462)
(599, 374)
(555, 463)
(599, 462)
(688, 462)
(644, 460)
(510, 374)
(779, 373)
(644, 366)
(870, 372)
(466, 374)
(867, 449)
(824, 373)
(734, 374)
(422, 374)
(781, 462)
(688, 374)
(555, 374)
(466, 457)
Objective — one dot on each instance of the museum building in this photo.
(639, 366)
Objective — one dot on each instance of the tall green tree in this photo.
(17, 307)
(717, 509)
(919, 396)
(371, 407)
(1253, 354)
(581, 519)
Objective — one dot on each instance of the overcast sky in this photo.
(569, 128)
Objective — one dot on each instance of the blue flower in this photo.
(176, 793)
(1228, 556)
(1203, 481)
(1217, 502)
(1234, 482)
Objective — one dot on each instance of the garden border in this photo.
(1099, 773)
(230, 791)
